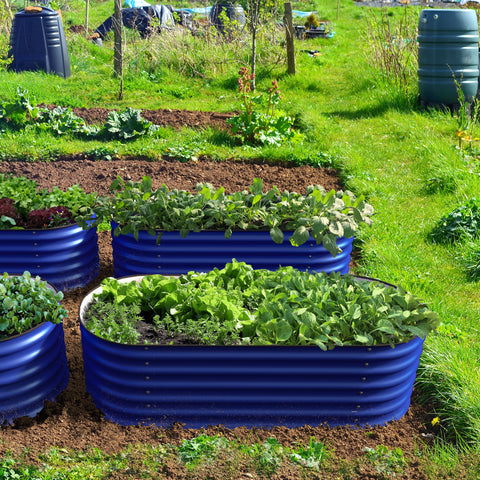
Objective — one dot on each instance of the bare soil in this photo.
(74, 422)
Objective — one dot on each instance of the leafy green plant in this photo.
(21, 200)
(387, 462)
(15, 114)
(201, 448)
(312, 456)
(240, 305)
(102, 152)
(62, 120)
(27, 301)
(182, 153)
(127, 125)
(271, 127)
(113, 321)
(327, 216)
(462, 222)
(268, 456)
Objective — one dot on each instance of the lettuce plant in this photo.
(24, 205)
(241, 305)
(326, 216)
(25, 302)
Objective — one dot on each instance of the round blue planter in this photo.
(203, 251)
(33, 368)
(248, 385)
(65, 256)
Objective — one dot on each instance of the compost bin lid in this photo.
(37, 11)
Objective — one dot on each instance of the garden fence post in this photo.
(290, 44)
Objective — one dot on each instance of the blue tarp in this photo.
(299, 13)
(200, 11)
(136, 3)
(205, 11)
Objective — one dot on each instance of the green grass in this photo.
(195, 458)
(405, 160)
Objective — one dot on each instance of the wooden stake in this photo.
(117, 51)
(87, 7)
(290, 42)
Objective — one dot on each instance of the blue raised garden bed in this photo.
(33, 368)
(65, 256)
(248, 385)
(203, 251)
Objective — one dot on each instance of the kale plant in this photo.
(61, 120)
(326, 216)
(126, 125)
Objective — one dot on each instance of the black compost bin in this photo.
(37, 42)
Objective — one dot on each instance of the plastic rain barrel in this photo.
(447, 51)
(37, 42)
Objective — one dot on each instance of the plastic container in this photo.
(37, 42)
(447, 52)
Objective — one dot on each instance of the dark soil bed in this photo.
(74, 422)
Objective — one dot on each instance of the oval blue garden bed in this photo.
(259, 381)
(203, 251)
(249, 385)
(65, 256)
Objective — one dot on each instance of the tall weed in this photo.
(204, 53)
(5, 27)
(392, 46)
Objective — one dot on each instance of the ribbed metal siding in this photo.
(33, 368)
(447, 51)
(65, 256)
(203, 251)
(250, 386)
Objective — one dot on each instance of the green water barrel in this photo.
(447, 53)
